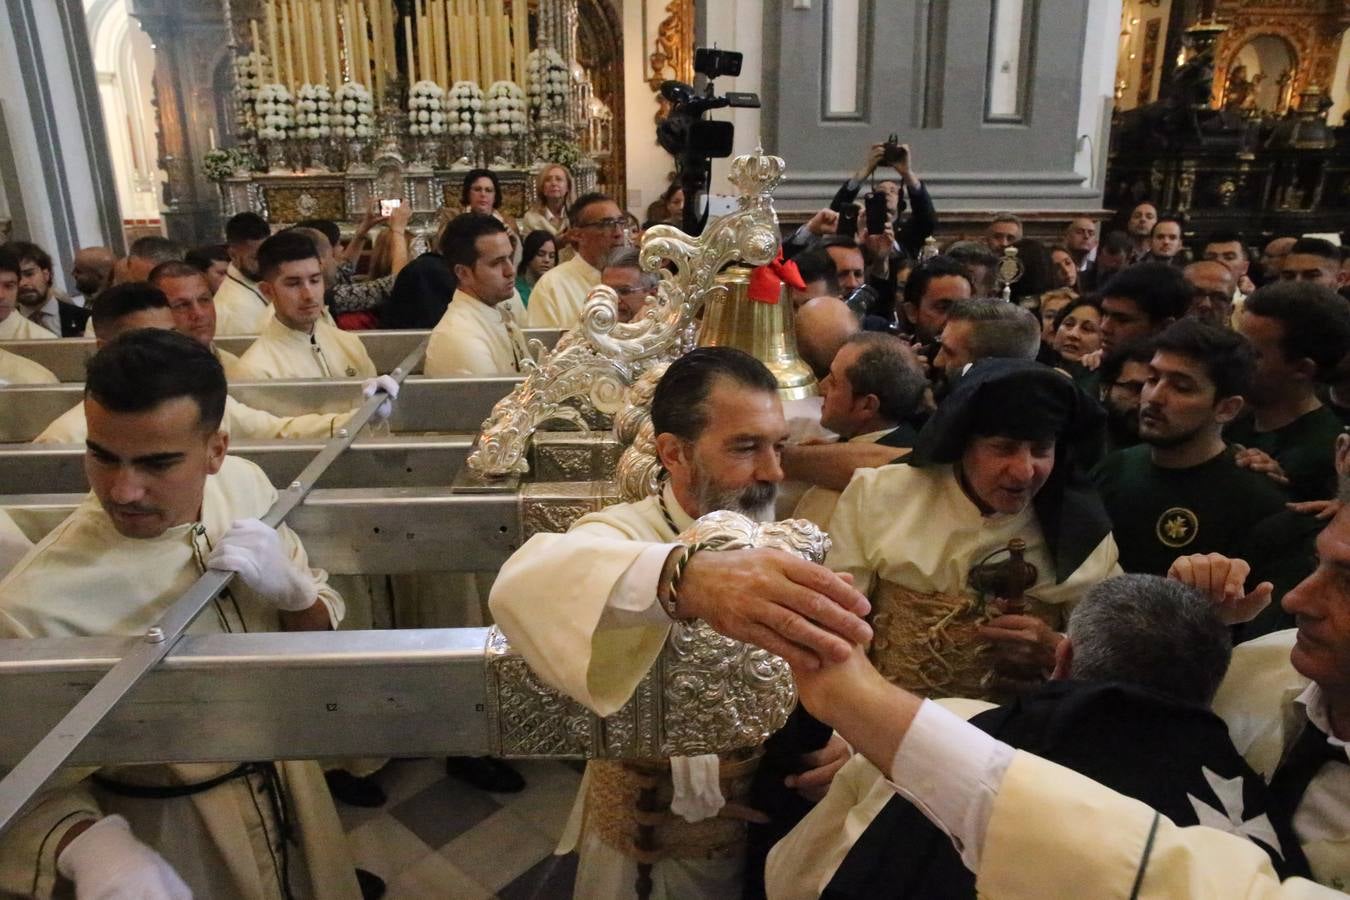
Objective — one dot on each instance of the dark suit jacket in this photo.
(73, 318)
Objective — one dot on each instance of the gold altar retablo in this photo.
(764, 330)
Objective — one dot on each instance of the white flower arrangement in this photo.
(353, 114)
(426, 109)
(251, 72)
(548, 82)
(504, 110)
(465, 109)
(275, 112)
(312, 110)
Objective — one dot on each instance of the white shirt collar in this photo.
(1314, 704)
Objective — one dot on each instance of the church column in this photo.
(58, 181)
(189, 40)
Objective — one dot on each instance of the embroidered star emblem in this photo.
(1230, 818)
(1176, 527)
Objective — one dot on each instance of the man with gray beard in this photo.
(590, 610)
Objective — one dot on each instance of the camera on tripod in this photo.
(693, 140)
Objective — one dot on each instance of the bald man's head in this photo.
(823, 324)
(91, 269)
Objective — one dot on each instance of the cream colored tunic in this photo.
(538, 218)
(15, 369)
(14, 544)
(1257, 701)
(14, 327)
(473, 338)
(240, 421)
(86, 579)
(916, 527)
(1055, 833)
(329, 352)
(560, 295)
(235, 368)
(241, 307)
(550, 600)
(817, 503)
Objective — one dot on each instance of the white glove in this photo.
(381, 383)
(106, 862)
(254, 550)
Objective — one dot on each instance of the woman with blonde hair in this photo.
(552, 187)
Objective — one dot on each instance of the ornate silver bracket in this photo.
(706, 693)
(601, 357)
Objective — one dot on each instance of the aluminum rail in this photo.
(65, 358)
(41, 763)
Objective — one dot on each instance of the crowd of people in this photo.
(1096, 510)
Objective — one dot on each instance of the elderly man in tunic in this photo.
(559, 298)
(590, 610)
(127, 307)
(167, 504)
(297, 342)
(995, 463)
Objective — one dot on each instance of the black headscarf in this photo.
(1025, 400)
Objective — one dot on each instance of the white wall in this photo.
(738, 25)
(1100, 48)
(646, 163)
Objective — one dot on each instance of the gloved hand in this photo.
(254, 550)
(106, 862)
(381, 383)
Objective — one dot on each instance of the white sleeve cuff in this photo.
(632, 601)
(951, 771)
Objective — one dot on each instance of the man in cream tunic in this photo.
(1026, 827)
(478, 333)
(560, 295)
(166, 504)
(15, 369)
(995, 462)
(590, 609)
(14, 326)
(127, 307)
(194, 313)
(241, 307)
(297, 342)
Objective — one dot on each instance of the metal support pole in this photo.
(42, 762)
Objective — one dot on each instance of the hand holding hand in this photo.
(389, 386)
(1222, 580)
(799, 610)
(106, 862)
(822, 766)
(253, 551)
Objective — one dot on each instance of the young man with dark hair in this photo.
(1313, 260)
(933, 286)
(1301, 333)
(1164, 241)
(1121, 379)
(1113, 255)
(213, 261)
(590, 609)
(1139, 226)
(1181, 491)
(14, 325)
(297, 342)
(241, 307)
(596, 227)
(478, 334)
(38, 300)
(1004, 230)
(166, 500)
(1227, 247)
(1141, 301)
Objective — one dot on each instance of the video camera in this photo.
(691, 139)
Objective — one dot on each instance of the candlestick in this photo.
(285, 13)
(363, 36)
(271, 14)
(330, 15)
(520, 17)
(408, 36)
(302, 39)
(442, 43)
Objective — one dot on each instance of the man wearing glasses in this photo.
(559, 296)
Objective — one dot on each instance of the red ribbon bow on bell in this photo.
(766, 282)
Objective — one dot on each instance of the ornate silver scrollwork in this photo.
(706, 693)
(602, 356)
